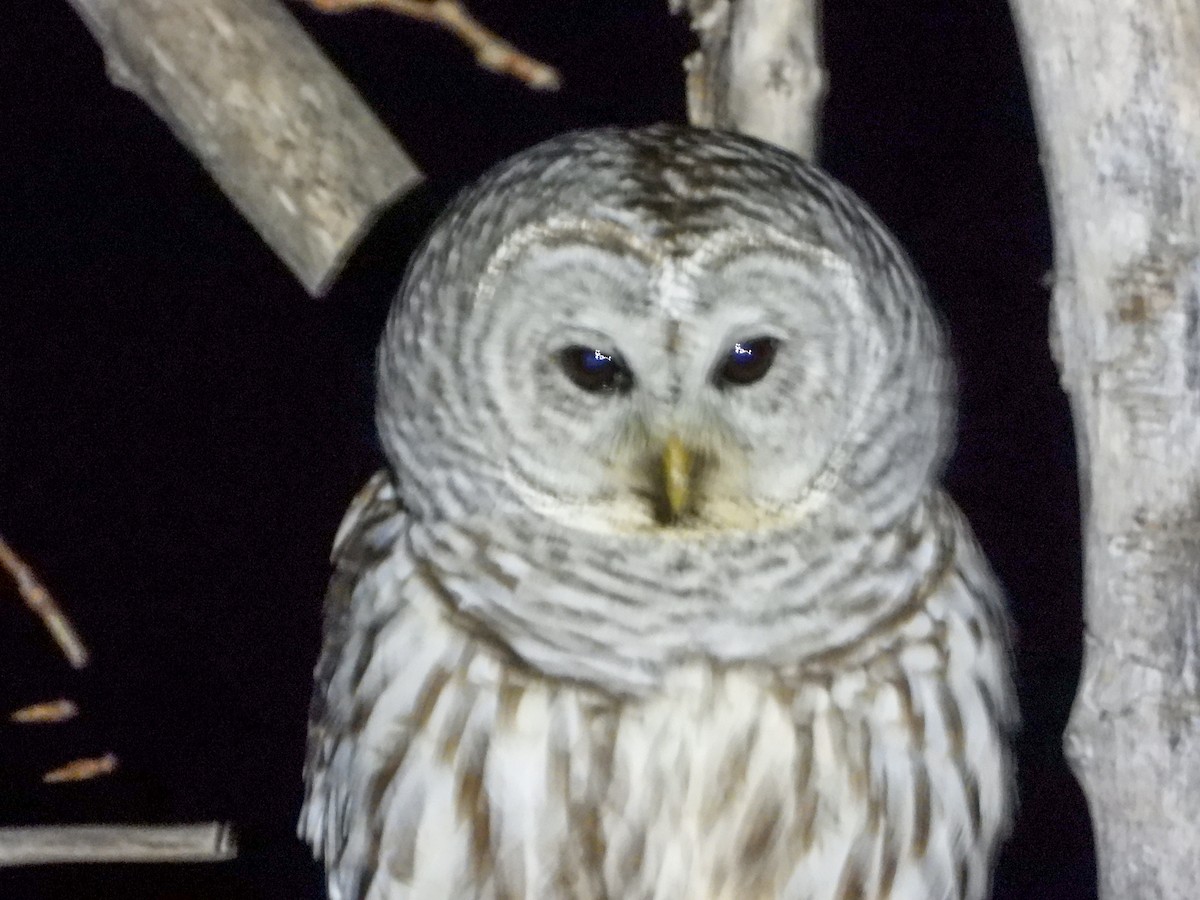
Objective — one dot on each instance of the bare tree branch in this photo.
(50, 844)
(38, 599)
(758, 69)
(492, 52)
(278, 127)
(1116, 88)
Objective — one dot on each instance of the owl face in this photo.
(704, 383)
(664, 329)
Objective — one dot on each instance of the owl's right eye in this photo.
(594, 371)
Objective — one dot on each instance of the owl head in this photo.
(665, 329)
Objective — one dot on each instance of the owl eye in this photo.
(747, 362)
(594, 371)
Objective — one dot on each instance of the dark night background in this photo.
(182, 427)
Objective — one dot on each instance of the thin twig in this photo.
(51, 712)
(38, 599)
(82, 769)
(48, 844)
(491, 51)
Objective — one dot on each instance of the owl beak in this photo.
(678, 468)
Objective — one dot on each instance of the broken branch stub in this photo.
(282, 132)
(758, 70)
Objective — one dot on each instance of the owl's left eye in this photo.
(594, 371)
(747, 362)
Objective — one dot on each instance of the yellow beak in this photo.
(677, 461)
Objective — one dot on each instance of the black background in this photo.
(182, 427)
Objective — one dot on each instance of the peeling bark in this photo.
(279, 128)
(758, 69)
(1116, 87)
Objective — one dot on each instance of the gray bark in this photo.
(1116, 88)
(279, 128)
(758, 69)
(52, 844)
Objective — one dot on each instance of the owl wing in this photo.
(365, 537)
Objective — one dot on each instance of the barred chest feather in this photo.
(441, 767)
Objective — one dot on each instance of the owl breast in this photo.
(447, 767)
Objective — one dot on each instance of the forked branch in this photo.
(492, 52)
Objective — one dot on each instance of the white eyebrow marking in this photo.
(674, 287)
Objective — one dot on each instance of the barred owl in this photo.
(660, 597)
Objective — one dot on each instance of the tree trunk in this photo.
(758, 70)
(277, 126)
(1116, 88)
